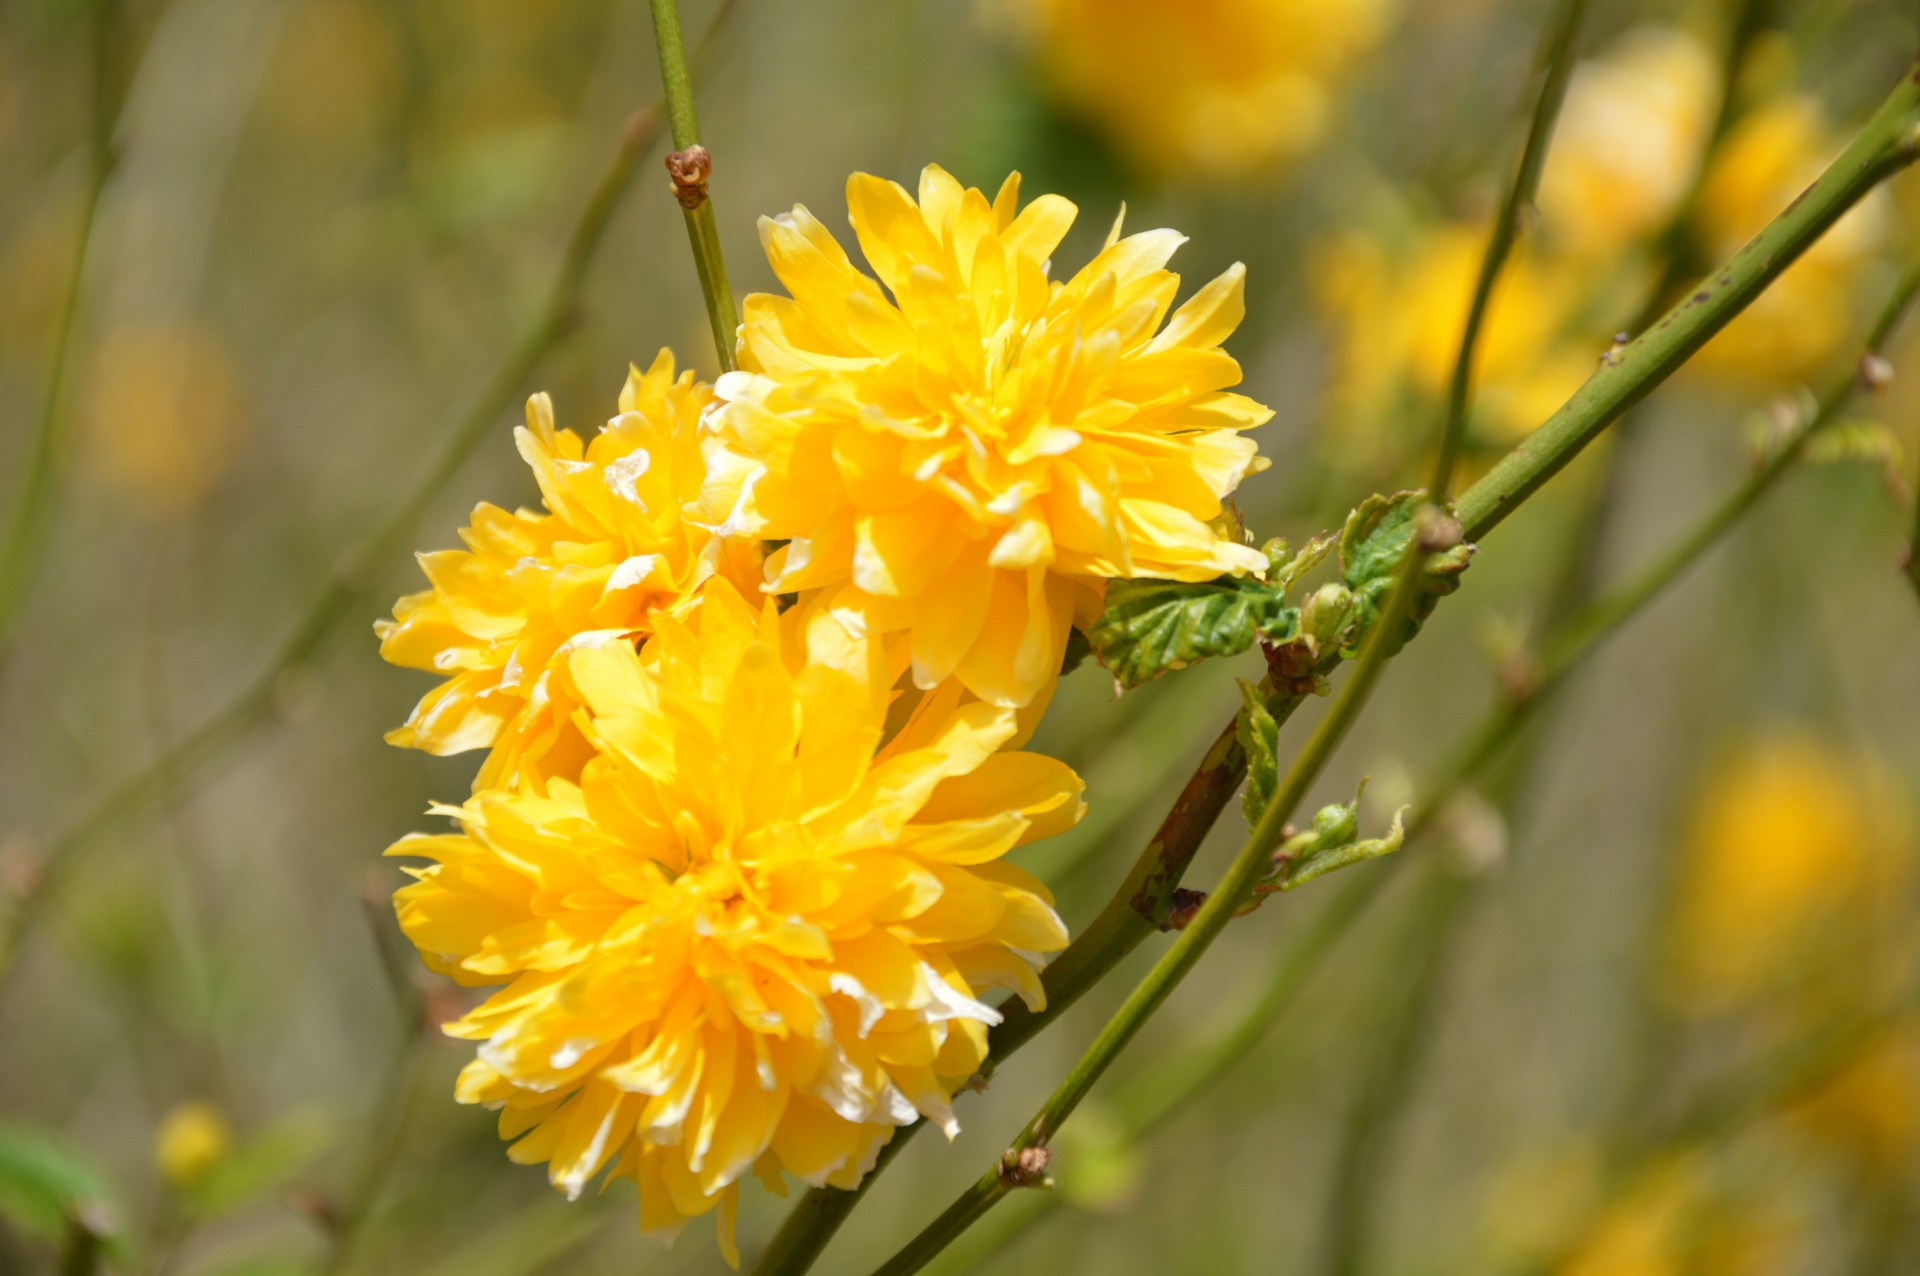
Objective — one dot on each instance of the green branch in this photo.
(1886, 145)
(24, 542)
(691, 165)
(1506, 232)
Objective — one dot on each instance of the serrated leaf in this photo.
(1375, 538)
(1259, 737)
(44, 1184)
(1374, 544)
(1152, 626)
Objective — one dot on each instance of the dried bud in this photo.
(690, 170)
(1182, 907)
(1025, 1167)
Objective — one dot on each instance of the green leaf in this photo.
(1259, 737)
(44, 1184)
(1152, 626)
(1374, 544)
(1326, 861)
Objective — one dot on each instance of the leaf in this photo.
(1259, 737)
(1325, 861)
(1152, 626)
(1332, 843)
(1373, 545)
(44, 1184)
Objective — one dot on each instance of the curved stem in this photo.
(24, 542)
(1506, 232)
(704, 236)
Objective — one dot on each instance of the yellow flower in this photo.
(745, 941)
(964, 454)
(1678, 1218)
(193, 1138)
(1211, 88)
(167, 416)
(1398, 312)
(610, 553)
(1870, 1111)
(1790, 863)
(1628, 143)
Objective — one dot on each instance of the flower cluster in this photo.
(735, 862)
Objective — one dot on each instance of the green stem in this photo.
(1235, 887)
(353, 583)
(1506, 232)
(24, 542)
(1886, 145)
(1362, 1159)
(704, 236)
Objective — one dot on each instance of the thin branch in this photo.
(24, 542)
(1362, 1161)
(1506, 232)
(691, 165)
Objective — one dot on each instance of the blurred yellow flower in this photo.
(1870, 1111)
(1628, 143)
(165, 414)
(1790, 863)
(193, 1138)
(609, 553)
(1206, 88)
(1676, 1220)
(1398, 312)
(964, 450)
(1796, 328)
(746, 941)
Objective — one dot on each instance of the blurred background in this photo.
(1647, 1006)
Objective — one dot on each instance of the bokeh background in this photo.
(1647, 1008)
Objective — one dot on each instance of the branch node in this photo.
(690, 170)
(1025, 1167)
